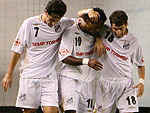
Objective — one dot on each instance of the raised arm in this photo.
(93, 15)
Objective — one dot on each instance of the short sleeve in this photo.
(20, 40)
(66, 45)
(137, 57)
(67, 22)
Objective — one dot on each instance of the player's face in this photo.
(119, 31)
(51, 20)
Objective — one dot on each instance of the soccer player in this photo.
(36, 45)
(116, 87)
(79, 64)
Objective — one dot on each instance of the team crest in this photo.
(69, 100)
(22, 97)
(57, 28)
(126, 45)
(99, 108)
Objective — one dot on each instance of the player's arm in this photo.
(66, 49)
(93, 15)
(140, 85)
(93, 63)
(139, 61)
(99, 47)
(7, 80)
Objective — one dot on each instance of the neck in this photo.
(82, 27)
(43, 17)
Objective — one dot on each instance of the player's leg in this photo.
(70, 111)
(125, 112)
(29, 110)
(70, 89)
(105, 97)
(86, 100)
(28, 95)
(127, 102)
(49, 94)
(50, 109)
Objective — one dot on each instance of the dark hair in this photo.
(57, 7)
(101, 13)
(103, 17)
(119, 18)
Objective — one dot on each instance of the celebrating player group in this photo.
(87, 48)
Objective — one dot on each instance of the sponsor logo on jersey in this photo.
(63, 51)
(17, 42)
(46, 42)
(115, 53)
(84, 53)
(126, 45)
(57, 28)
(22, 97)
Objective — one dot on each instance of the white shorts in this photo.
(116, 93)
(75, 95)
(35, 92)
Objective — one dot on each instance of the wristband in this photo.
(141, 80)
(85, 61)
(88, 10)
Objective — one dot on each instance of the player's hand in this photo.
(6, 82)
(140, 91)
(99, 47)
(94, 16)
(95, 64)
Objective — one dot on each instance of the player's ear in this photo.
(46, 12)
(127, 24)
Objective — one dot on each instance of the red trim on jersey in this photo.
(142, 60)
(17, 42)
(63, 51)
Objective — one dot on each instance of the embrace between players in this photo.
(86, 47)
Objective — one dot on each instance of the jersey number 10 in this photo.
(78, 41)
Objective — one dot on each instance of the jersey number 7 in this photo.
(37, 29)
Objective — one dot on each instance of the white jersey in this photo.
(80, 45)
(38, 43)
(120, 55)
